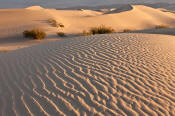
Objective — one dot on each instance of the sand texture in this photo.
(167, 31)
(104, 75)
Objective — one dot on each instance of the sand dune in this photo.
(135, 17)
(121, 9)
(127, 17)
(35, 8)
(169, 6)
(110, 75)
(104, 75)
(15, 21)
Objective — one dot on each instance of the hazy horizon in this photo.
(70, 3)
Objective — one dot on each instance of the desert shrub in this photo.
(34, 33)
(61, 34)
(61, 25)
(54, 23)
(161, 27)
(127, 30)
(101, 30)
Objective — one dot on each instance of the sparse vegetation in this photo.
(127, 30)
(161, 26)
(54, 23)
(34, 34)
(61, 34)
(99, 30)
(61, 25)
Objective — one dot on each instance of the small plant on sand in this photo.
(34, 34)
(54, 23)
(127, 30)
(101, 30)
(61, 34)
(161, 26)
(61, 25)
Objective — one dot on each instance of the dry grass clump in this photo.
(61, 25)
(61, 34)
(54, 23)
(101, 30)
(161, 26)
(34, 34)
(127, 30)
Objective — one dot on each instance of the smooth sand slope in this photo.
(137, 17)
(105, 75)
(14, 21)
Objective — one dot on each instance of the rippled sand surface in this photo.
(110, 75)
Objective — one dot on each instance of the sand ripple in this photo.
(110, 75)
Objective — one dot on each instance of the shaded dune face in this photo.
(123, 8)
(110, 75)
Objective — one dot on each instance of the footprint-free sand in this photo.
(104, 75)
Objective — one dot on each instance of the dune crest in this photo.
(34, 8)
(121, 9)
(135, 17)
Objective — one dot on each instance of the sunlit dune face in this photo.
(124, 19)
(110, 75)
(77, 72)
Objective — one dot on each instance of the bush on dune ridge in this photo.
(54, 23)
(34, 33)
(99, 30)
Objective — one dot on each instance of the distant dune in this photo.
(34, 8)
(15, 21)
(135, 18)
(168, 6)
(105, 75)
(121, 9)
